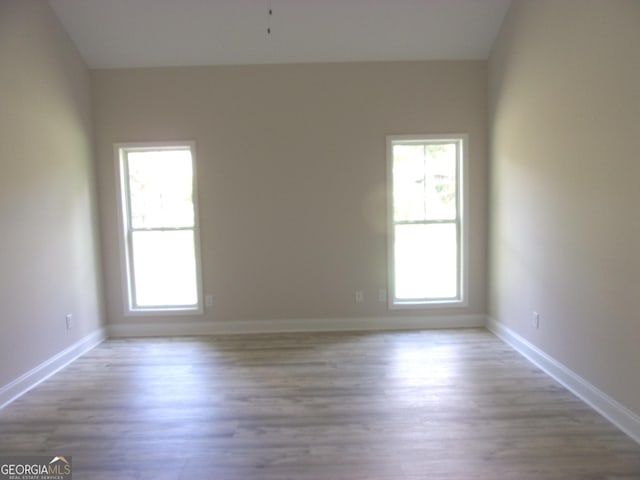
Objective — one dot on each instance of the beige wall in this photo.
(564, 81)
(48, 244)
(291, 163)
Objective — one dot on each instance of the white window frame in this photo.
(125, 236)
(462, 208)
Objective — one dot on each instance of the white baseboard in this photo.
(40, 373)
(155, 329)
(616, 413)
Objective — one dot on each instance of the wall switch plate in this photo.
(69, 321)
(208, 301)
(359, 296)
(382, 295)
(535, 320)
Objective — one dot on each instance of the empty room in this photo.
(215, 264)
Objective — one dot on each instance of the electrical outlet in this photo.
(535, 320)
(69, 321)
(359, 296)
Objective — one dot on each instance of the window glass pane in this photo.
(426, 261)
(424, 182)
(440, 181)
(408, 183)
(160, 188)
(164, 266)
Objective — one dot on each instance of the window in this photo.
(160, 249)
(426, 219)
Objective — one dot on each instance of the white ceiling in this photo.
(146, 33)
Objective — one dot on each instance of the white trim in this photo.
(295, 325)
(611, 409)
(38, 374)
(128, 287)
(462, 142)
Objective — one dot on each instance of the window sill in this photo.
(163, 312)
(418, 305)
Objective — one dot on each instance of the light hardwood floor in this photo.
(454, 404)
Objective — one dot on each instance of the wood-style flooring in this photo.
(453, 404)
